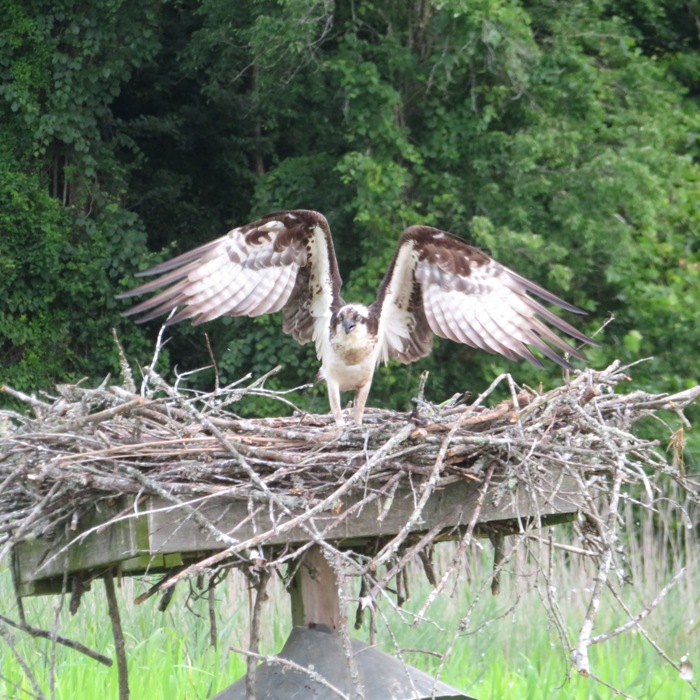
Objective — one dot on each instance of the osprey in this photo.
(435, 284)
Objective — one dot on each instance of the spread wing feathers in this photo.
(438, 284)
(284, 261)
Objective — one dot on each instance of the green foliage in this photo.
(57, 273)
(560, 137)
(65, 238)
(30, 254)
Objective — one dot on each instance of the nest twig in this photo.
(89, 445)
(92, 443)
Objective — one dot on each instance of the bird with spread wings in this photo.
(436, 284)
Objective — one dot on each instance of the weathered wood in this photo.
(156, 535)
(169, 532)
(98, 543)
(314, 592)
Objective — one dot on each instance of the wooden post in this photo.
(314, 592)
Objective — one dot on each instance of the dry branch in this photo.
(71, 643)
(86, 447)
(118, 634)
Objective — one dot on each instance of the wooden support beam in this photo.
(314, 592)
(158, 536)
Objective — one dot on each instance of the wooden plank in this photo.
(171, 532)
(40, 564)
(161, 536)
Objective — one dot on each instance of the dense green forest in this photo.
(561, 137)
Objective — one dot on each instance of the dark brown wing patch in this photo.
(439, 284)
(255, 269)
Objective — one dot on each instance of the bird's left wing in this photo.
(437, 283)
(283, 260)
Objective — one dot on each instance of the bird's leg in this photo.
(334, 401)
(360, 401)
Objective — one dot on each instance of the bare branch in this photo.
(119, 646)
(298, 480)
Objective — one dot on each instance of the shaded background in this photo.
(559, 137)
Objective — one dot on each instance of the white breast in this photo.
(350, 360)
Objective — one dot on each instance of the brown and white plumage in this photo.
(435, 284)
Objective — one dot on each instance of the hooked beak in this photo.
(348, 324)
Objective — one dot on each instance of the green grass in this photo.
(502, 653)
(520, 655)
(522, 658)
(169, 653)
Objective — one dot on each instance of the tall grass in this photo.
(509, 647)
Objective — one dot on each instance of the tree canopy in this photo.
(562, 138)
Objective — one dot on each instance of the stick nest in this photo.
(86, 445)
(70, 452)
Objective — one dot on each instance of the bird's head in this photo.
(349, 318)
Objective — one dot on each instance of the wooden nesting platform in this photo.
(116, 480)
(151, 535)
(164, 481)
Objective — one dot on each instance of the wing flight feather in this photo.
(439, 284)
(284, 260)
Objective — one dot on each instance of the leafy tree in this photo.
(65, 238)
(560, 137)
(563, 152)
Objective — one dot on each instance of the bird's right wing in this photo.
(284, 261)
